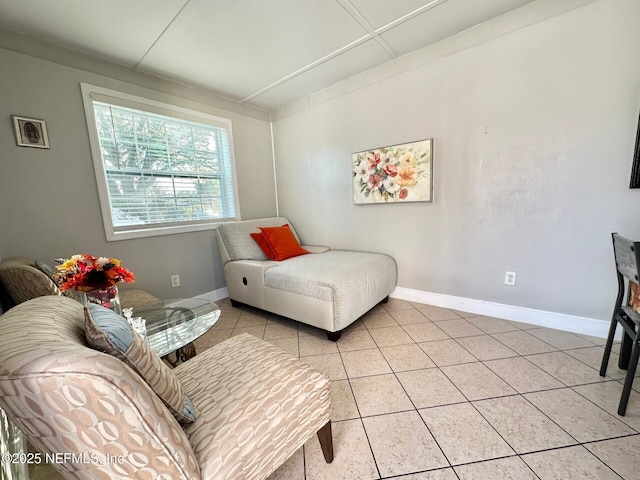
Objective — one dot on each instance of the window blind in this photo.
(162, 170)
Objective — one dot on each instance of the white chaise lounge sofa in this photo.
(328, 289)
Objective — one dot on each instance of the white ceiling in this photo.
(265, 53)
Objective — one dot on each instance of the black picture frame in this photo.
(635, 169)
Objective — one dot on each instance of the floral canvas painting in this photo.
(399, 173)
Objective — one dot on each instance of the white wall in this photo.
(49, 198)
(533, 134)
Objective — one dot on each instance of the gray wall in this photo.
(533, 134)
(49, 198)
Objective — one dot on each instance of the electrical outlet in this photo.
(175, 281)
(510, 278)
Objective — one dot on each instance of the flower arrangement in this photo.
(85, 273)
(391, 173)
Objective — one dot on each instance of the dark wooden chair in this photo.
(627, 256)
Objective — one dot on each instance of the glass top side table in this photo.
(174, 326)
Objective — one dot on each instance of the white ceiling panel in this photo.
(96, 27)
(382, 12)
(265, 53)
(241, 47)
(445, 20)
(358, 59)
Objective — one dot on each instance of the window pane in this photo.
(162, 170)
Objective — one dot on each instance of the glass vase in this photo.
(106, 297)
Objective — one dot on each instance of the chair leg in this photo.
(334, 336)
(607, 348)
(628, 382)
(625, 350)
(326, 442)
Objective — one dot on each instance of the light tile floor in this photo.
(421, 392)
(426, 393)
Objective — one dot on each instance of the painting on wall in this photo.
(30, 132)
(398, 173)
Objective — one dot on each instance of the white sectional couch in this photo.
(328, 289)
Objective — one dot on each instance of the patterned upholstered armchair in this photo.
(24, 278)
(256, 404)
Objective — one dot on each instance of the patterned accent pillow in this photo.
(44, 268)
(109, 332)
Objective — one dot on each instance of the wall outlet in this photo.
(510, 278)
(175, 281)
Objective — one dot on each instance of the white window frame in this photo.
(91, 93)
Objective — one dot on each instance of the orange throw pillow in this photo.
(264, 245)
(282, 242)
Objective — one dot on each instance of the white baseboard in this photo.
(214, 295)
(559, 321)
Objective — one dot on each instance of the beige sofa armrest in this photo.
(315, 248)
(245, 280)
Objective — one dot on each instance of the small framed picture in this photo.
(30, 132)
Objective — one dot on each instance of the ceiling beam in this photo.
(371, 35)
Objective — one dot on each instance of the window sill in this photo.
(113, 236)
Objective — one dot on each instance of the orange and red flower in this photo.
(86, 272)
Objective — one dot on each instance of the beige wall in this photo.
(49, 198)
(533, 142)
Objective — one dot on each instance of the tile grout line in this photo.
(415, 408)
(410, 399)
(413, 403)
